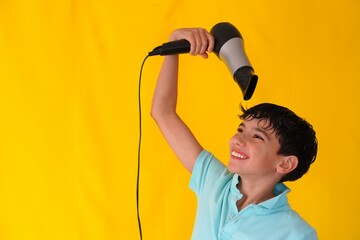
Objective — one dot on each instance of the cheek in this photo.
(259, 151)
(267, 156)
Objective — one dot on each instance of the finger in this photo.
(204, 55)
(204, 40)
(193, 42)
(211, 43)
(198, 38)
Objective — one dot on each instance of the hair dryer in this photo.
(229, 47)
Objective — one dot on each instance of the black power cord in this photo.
(139, 151)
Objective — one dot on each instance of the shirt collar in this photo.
(280, 199)
(234, 190)
(280, 192)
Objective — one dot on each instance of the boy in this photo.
(246, 199)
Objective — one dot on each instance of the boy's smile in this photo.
(238, 155)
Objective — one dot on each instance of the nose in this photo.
(240, 140)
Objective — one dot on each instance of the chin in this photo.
(231, 168)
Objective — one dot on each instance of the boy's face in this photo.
(253, 150)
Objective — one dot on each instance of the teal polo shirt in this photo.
(217, 217)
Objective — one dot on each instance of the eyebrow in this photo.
(256, 129)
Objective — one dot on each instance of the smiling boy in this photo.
(246, 199)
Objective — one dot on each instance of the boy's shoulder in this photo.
(296, 227)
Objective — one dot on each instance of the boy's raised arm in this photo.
(175, 131)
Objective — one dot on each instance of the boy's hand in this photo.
(201, 41)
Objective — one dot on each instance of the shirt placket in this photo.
(235, 220)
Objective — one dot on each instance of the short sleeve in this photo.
(207, 171)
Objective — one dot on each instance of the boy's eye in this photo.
(240, 130)
(259, 137)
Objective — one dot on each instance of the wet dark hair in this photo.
(296, 136)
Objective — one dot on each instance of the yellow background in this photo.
(69, 111)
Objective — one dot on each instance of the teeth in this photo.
(239, 155)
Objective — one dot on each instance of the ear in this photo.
(287, 164)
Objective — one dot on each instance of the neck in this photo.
(254, 192)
